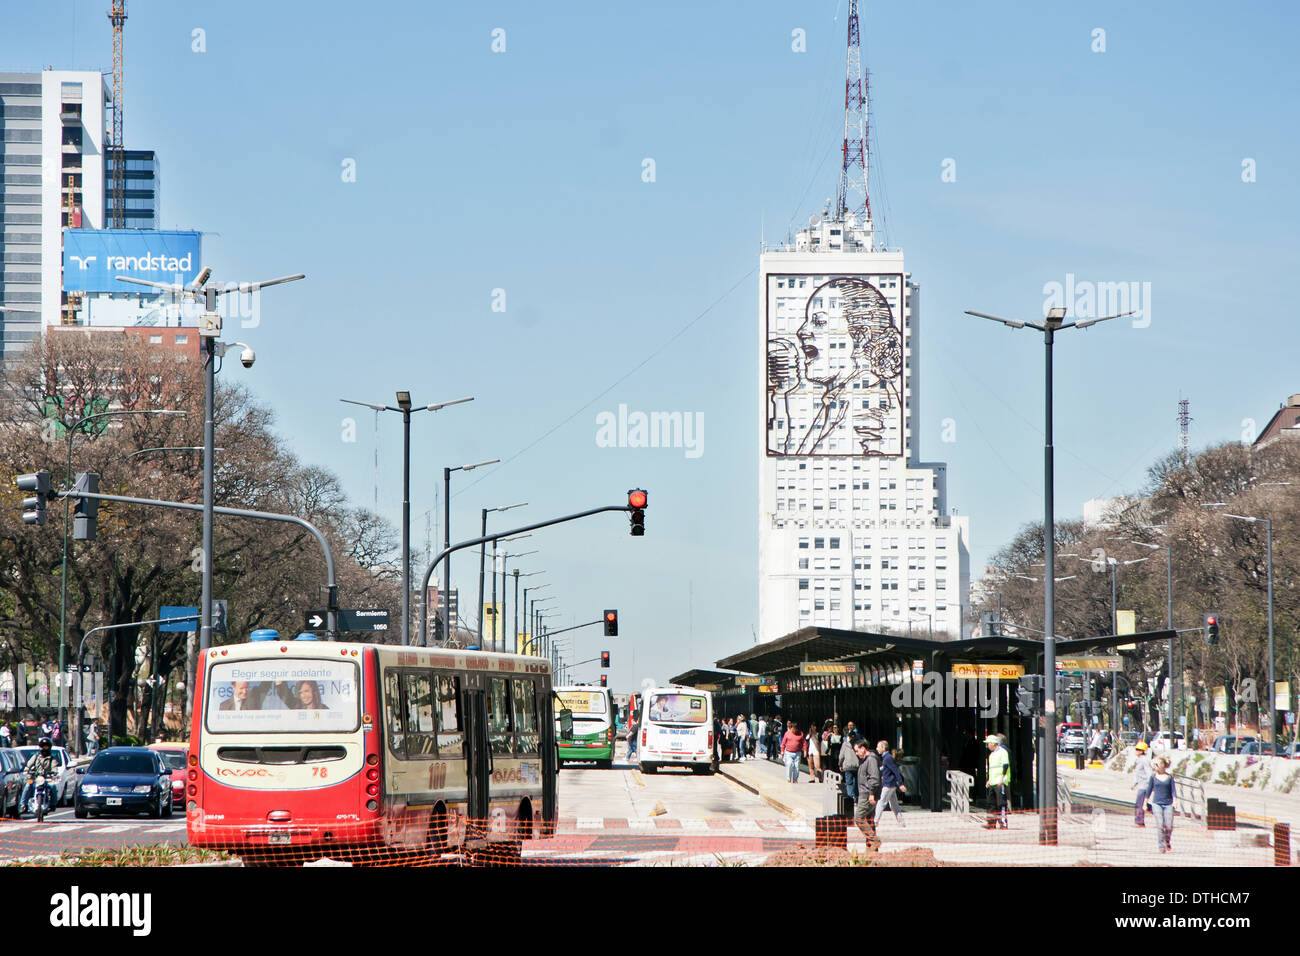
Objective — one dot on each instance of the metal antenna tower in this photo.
(853, 171)
(117, 16)
(1184, 419)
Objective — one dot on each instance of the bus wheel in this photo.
(436, 838)
(703, 768)
(649, 767)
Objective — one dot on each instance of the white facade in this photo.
(53, 127)
(854, 530)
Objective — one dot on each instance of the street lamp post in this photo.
(507, 639)
(482, 557)
(1053, 323)
(1272, 687)
(405, 408)
(209, 329)
(446, 536)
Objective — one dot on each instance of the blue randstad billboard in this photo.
(93, 257)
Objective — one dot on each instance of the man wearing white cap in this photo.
(999, 776)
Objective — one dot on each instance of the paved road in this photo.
(62, 831)
(623, 792)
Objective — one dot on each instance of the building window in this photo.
(819, 542)
(835, 543)
(803, 542)
(803, 564)
(155, 340)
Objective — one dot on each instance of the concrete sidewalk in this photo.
(1095, 839)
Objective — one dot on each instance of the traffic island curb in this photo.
(756, 791)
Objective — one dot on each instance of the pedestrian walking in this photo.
(869, 787)
(999, 777)
(813, 751)
(891, 782)
(1095, 745)
(5, 739)
(762, 737)
(1159, 798)
(1141, 777)
(751, 741)
(92, 739)
(791, 747)
(848, 760)
(633, 738)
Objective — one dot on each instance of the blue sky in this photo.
(521, 171)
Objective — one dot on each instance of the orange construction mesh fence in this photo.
(1091, 836)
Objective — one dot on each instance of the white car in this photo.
(1161, 741)
(65, 779)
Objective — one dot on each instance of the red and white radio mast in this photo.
(853, 173)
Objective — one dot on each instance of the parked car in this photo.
(1259, 748)
(12, 781)
(1072, 741)
(1291, 751)
(1062, 728)
(175, 756)
(65, 778)
(1161, 741)
(125, 780)
(1231, 743)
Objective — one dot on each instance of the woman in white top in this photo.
(742, 736)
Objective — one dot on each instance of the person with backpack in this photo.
(848, 761)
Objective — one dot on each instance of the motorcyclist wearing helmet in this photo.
(41, 764)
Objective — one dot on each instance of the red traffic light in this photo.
(1211, 619)
(611, 616)
(636, 498)
(604, 658)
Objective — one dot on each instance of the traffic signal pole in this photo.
(428, 573)
(331, 582)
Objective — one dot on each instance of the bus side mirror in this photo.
(566, 724)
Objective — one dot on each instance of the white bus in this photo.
(676, 729)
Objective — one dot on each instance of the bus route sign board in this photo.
(364, 619)
(1080, 665)
(744, 680)
(823, 668)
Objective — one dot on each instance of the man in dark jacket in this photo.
(849, 762)
(868, 790)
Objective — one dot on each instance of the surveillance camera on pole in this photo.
(209, 329)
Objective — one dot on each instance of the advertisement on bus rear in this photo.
(678, 709)
(282, 696)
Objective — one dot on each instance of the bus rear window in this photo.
(282, 696)
(678, 709)
(583, 703)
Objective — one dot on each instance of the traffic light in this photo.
(85, 511)
(34, 506)
(1211, 629)
(636, 500)
(604, 658)
(611, 623)
(1031, 687)
(604, 681)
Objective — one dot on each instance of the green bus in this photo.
(593, 725)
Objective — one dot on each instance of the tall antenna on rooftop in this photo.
(1184, 419)
(118, 18)
(853, 171)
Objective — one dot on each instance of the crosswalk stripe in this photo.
(695, 826)
(113, 829)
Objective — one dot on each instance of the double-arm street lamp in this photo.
(446, 537)
(1169, 614)
(1115, 565)
(406, 409)
(1053, 323)
(209, 329)
(482, 558)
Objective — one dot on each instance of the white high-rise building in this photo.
(855, 531)
(52, 164)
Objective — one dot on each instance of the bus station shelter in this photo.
(936, 700)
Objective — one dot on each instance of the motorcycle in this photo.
(40, 801)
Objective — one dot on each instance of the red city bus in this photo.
(306, 748)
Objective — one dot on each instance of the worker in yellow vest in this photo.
(999, 781)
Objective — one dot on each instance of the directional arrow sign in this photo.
(315, 620)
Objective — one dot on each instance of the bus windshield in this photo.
(678, 709)
(282, 696)
(585, 704)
